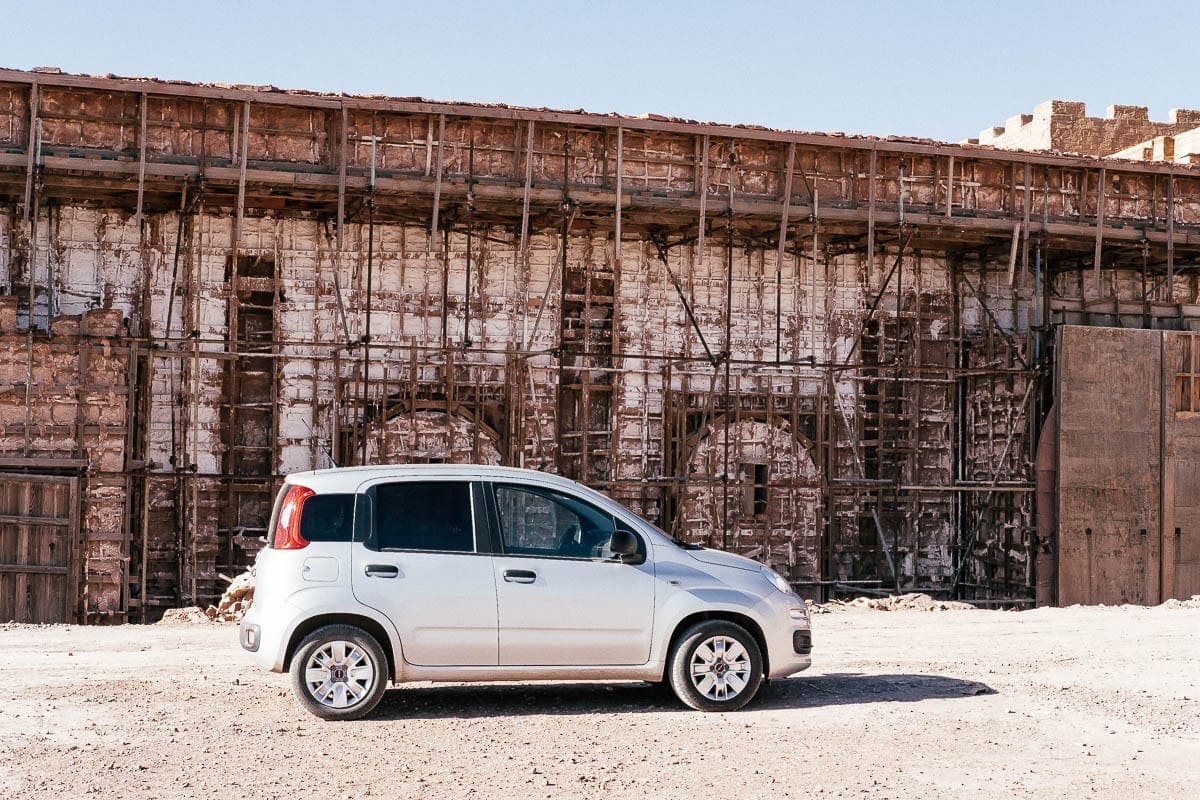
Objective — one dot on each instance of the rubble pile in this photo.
(913, 601)
(232, 607)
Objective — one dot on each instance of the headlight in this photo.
(777, 580)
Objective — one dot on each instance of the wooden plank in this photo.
(1170, 237)
(31, 518)
(33, 569)
(524, 241)
(617, 210)
(31, 148)
(785, 206)
(702, 190)
(42, 462)
(437, 185)
(73, 556)
(1101, 190)
(343, 156)
(143, 586)
(1012, 254)
(871, 213)
(141, 189)
(241, 195)
(1025, 208)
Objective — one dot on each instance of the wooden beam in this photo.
(1100, 192)
(617, 211)
(31, 148)
(1027, 178)
(241, 196)
(702, 189)
(43, 462)
(343, 156)
(429, 146)
(950, 188)
(1012, 254)
(437, 182)
(785, 207)
(871, 213)
(1170, 236)
(141, 190)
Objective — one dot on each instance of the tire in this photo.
(339, 672)
(716, 666)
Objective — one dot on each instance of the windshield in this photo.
(644, 521)
(676, 539)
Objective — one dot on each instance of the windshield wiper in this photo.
(686, 545)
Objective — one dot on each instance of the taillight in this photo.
(287, 530)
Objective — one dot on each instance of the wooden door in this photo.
(39, 520)
(1109, 466)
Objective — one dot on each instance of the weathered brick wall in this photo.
(63, 400)
(1065, 126)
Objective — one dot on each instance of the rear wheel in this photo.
(716, 666)
(339, 672)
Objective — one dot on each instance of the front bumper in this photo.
(789, 636)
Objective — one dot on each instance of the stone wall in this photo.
(1064, 126)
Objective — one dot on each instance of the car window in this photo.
(423, 515)
(327, 518)
(546, 523)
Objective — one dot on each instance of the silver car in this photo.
(470, 573)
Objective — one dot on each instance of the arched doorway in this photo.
(432, 437)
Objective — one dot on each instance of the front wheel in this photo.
(339, 672)
(716, 666)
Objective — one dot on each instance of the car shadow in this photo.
(440, 701)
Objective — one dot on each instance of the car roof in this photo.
(348, 479)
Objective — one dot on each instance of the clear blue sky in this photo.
(920, 68)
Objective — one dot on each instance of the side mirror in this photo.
(623, 543)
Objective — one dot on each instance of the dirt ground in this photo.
(1070, 703)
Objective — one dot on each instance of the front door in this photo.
(562, 598)
(421, 562)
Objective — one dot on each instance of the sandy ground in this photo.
(1070, 703)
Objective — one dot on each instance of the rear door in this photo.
(421, 561)
(563, 600)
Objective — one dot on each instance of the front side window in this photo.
(423, 515)
(546, 523)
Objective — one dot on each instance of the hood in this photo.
(722, 559)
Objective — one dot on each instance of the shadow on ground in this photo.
(488, 700)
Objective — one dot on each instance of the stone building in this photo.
(833, 354)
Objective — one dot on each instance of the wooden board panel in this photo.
(1109, 459)
(1183, 536)
(1181, 420)
(38, 570)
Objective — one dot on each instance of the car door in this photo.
(422, 560)
(563, 598)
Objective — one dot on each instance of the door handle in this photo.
(520, 575)
(381, 570)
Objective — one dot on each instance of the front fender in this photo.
(705, 600)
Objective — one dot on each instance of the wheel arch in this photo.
(752, 627)
(367, 624)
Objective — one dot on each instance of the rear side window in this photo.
(423, 515)
(328, 518)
